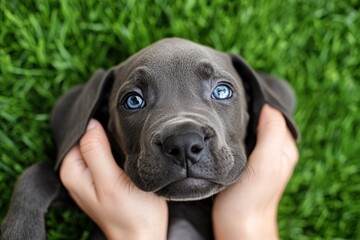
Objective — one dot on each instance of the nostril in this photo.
(174, 152)
(184, 147)
(159, 144)
(196, 149)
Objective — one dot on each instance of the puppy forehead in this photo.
(175, 56)
(171, 56)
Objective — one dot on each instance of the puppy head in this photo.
(178, 112)
(182, 116)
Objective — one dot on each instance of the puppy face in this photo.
(178, 113)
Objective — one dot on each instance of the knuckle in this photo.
(63, 173)
(66, 179)
(89, 144)
(292, 153)
(274, 125)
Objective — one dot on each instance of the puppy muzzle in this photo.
(185, 158)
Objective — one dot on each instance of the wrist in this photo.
(250, 227)
(135, 235)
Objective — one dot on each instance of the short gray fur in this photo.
(181, 133)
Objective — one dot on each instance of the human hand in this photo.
(107, 195)
(248, 208)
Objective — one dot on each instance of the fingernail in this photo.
(91, 125)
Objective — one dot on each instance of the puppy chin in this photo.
(189, 189)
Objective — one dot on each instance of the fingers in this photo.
(272, 127)
(90, 167)
(96, 152)
(271, 134)
(290, 153)
(74, 173)
(275, 150)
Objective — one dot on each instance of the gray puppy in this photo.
(181, 119)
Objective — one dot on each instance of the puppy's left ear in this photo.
(262, 89)
(73, 111)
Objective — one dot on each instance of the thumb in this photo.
(270, 136)
(96, 152)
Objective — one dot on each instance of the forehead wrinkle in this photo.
(176, 51)
(139, 78)
(204, 69)
(208, 71)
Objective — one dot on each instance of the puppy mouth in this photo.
(189, 189)
(189, 183)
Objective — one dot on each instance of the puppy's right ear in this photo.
(263, 89)
(73, 111)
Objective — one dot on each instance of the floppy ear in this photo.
(73, 110)
(263, 89)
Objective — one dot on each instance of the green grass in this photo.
(46, 47)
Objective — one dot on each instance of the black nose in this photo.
(183, 147)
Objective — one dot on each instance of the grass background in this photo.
(46, 47)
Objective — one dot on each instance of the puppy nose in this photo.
(183, 147)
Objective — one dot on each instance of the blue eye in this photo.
(134, 101)
(221, 92)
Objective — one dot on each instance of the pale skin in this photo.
(245, 210)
